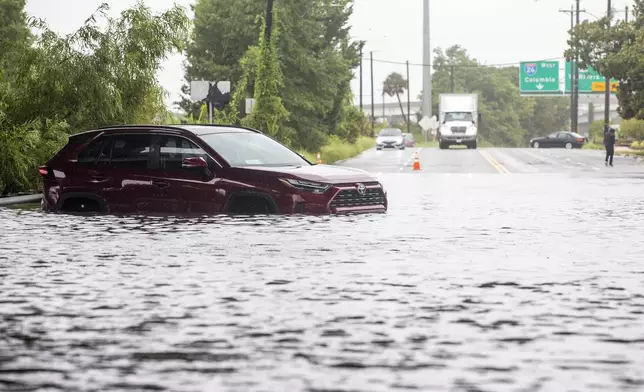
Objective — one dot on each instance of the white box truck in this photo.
(458, 117)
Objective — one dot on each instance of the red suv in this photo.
(198, 169)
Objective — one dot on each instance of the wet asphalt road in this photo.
(494, 270)
(496, 160)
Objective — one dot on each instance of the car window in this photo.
(91, 153)
(554, 134)
(252, 149)
(131, 150)
(390, 132)
(174, 149)
(458, 116)
(564, 135)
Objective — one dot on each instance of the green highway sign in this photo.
(539, 77)
(590, 82)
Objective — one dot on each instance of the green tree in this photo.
(96, 76)
(14, 32)
(314, 52)
(395, 84)
(269, 113)
(508, 118)
(91, 78)
(615, 51)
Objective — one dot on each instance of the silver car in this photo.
(390, 138)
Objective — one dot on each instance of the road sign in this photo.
(539, 77)
(250, 104)
(199, 89)
(590, 81)
(427, 123)
(600, 87)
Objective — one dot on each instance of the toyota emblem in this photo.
(362, 189)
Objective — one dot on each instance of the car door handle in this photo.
(98, 179)
(160, 184)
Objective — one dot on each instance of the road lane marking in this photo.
(501, 169)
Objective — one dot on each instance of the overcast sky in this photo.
(493, 31)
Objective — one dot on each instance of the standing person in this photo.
(609, 143)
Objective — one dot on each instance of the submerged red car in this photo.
(198, 169)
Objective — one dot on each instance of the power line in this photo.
(464, 66)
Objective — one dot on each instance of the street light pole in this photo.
(427, 77)
(408, 102)
(361, 77)
(373, 103)
(607, 92)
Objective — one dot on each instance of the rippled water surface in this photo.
(469, 283)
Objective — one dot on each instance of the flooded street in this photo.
(473, 281)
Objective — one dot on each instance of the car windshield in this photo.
(390, 132)
(458, 116)
(252, 149)
(578, 136)
(408, 136)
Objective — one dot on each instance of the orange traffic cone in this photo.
(319, 159)
(416, 161)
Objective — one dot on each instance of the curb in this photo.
(14, 200)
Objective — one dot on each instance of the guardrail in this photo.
(15, 200)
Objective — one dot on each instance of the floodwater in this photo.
(480, 282)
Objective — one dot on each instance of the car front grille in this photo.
(351, 198)
(459, 129)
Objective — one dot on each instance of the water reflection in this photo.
(483, 283)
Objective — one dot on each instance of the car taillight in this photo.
(46, 172)
(580, 140)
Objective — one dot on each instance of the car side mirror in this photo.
(194, 163)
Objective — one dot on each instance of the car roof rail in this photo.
(173, 127)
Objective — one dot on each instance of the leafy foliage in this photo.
(615, 51)
(55, 85)
(632, 129)
(14, 33)
(313, 51)
(507, 118)
(269, 113)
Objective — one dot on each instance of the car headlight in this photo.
(308, 186)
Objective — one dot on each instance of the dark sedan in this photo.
(568, 140)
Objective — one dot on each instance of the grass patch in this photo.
(639, 153)
(593, 146)
(427, 144)
(337, 150)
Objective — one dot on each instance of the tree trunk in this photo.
(401, 108)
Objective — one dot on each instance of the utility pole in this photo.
(607, 93)
(626, 13)
(572, 73)
(451, 78)
(373, 103)
(269, 21)
(575, 116)
(427, 76)
(361, 77)
(408, 102)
